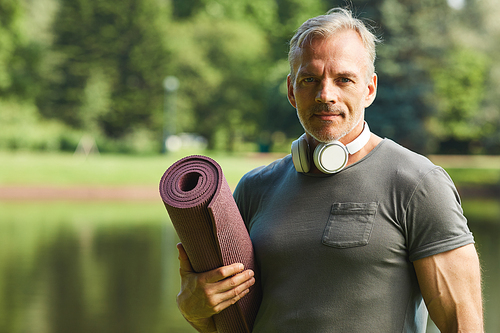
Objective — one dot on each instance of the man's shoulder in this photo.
(258, 183)
(404, 163)
(268, 173)
(400, 155)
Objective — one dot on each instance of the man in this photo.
(361, 248)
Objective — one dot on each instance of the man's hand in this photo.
(204, 294)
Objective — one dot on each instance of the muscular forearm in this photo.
(451, 286)
(455, 317)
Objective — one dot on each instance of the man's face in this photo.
(331, 90)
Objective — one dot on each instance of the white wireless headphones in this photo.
(328, 157)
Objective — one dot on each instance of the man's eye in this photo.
(344, 80)
(309, 79)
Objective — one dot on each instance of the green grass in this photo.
(63, 169)
(475, 176)
(482, 210)
(471, 169)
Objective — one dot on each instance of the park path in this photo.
(82, 193)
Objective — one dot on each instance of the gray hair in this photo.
(325, 26)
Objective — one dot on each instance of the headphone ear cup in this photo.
(330, 157)
(300, 155)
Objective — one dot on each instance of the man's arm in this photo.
(451, 287)
(204, 294)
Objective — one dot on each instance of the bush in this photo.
(22, 129)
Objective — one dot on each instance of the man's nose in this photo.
(327, 92)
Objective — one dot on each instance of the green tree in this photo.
(21, 73)
(111, 64)
(19, 56)
(10, 11)
(476, 30)
(412, 33)
(219, 64)
(466, 116)
(459, 91)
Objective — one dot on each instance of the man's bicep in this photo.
(450, 283)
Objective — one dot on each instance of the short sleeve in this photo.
(435, 221)
(244, 194)
(238, 196)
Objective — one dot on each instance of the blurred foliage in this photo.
(459, 91)
(412, 33)
(24, 129)
(96, 67)
(111, 65)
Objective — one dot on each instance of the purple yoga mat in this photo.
(209, 225)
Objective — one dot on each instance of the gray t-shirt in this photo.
(336, 251)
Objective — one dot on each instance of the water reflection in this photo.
(112, 267)
(487, 239)
(94, 276)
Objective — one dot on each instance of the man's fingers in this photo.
(225, 304)
(221, 294)
(232, 288)
(242, 284)
(231, 276)
(224, 272)
(233, 295)
(204, 294)
(238, 282)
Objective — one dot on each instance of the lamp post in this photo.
(170, 84)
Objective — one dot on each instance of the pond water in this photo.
(70, 267)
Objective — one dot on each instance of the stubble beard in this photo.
(324, 134)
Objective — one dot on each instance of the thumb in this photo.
(184, 259)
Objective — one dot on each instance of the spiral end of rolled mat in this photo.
(209, 225)
(190, 182)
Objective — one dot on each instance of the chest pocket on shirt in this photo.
(350, 224)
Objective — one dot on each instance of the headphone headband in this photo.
(355, 145)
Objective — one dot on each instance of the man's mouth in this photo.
(328, 116)
(326, 113)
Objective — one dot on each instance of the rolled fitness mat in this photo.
(209, 225)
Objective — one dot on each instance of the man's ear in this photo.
(291, 94)
(372, 90)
